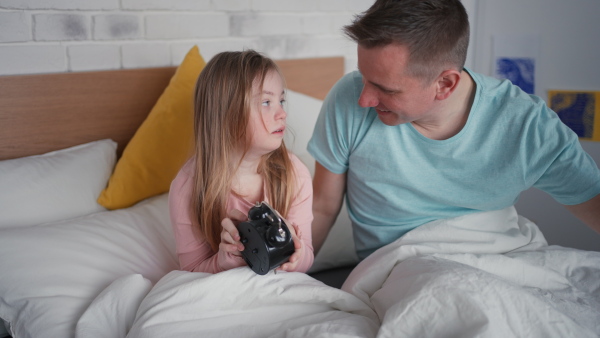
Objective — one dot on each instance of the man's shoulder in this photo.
(349, 84)
(503, 94)
(342, 99)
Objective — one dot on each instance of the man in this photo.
(412, 136)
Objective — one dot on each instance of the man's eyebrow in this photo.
(381, 87)
(389, 90)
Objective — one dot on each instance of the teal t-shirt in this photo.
(397, 179)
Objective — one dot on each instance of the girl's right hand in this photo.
(230, 248)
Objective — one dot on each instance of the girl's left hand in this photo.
(292, 263)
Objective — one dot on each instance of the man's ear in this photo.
(447, 82)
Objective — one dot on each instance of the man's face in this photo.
(397, 97)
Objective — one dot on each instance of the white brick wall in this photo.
(146, 54)
(168, 5)
(61, 4)
(269, 24)
(176, 26)
(40, 58)
(61, 27)
(117, 26)
(286, 5)
(15, 27)
(232, 5)
(45, 36)
(94, 57)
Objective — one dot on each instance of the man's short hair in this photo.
(436, 32)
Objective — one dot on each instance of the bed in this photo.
(86, 248)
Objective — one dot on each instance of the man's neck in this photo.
(453, 112)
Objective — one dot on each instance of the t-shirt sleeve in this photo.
(564, 170)
(330, 142)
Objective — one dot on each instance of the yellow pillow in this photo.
(162, 143)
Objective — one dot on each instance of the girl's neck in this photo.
(247, 182)
(248, 165)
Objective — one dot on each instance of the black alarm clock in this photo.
(266, 238)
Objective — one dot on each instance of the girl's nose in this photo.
(281, 113)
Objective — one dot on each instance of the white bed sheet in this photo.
(483, 275)
(487, 274)
(239, 303)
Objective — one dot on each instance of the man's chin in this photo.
(389, 118)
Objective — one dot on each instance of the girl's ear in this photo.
(447, 82)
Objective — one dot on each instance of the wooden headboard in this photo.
(41, 113)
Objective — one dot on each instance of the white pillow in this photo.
(338, 249)
(58, 185)
(50, 274)
(302, 113)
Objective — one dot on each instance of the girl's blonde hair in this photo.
(223, 99)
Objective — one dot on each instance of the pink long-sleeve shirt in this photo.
(194, 252)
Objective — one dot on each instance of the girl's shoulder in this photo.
(188, 166)
(299, 166)
(185, 173)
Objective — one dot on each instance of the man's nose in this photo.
(368, 98)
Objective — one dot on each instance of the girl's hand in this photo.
(292, 263)
(229, 255)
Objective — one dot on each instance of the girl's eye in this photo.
(266, 103)
(282, 102)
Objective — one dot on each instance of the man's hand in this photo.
(588, 212)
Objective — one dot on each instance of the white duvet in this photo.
(483, 275)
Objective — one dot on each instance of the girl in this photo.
(240, 158)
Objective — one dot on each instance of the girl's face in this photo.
(266, 124)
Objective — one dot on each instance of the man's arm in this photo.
(328, 189)
(588, 212)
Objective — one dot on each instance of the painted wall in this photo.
(568, 35)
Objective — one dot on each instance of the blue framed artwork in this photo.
(520, 71)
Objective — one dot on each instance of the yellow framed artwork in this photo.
(580, 110)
